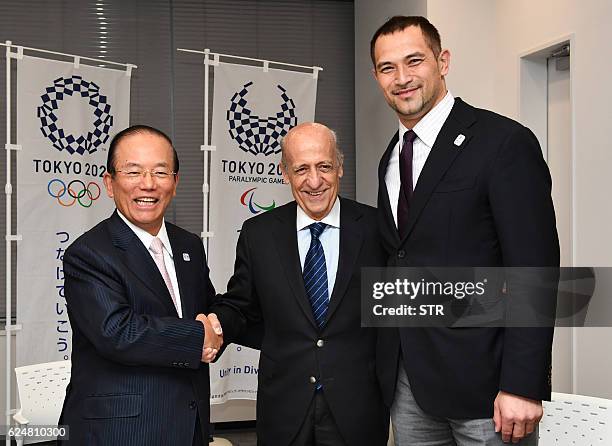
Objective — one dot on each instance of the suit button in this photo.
(401, 254)
(320, 343)
(192, 405)
(312, 380)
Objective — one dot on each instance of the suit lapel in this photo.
(185, 275)
(351, 239)
(139, 261)
(285, 241)
(389, 230)
(442, 155)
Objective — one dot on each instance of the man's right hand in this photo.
(515, 416)
(213, 336)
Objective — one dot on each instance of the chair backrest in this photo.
(42, 388)
(576, 420)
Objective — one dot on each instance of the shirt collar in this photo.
(147, 238)
(429, 126)
(331, 219)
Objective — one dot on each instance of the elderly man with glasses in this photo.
(137, 288)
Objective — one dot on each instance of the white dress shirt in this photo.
(146, 240)
(330, 240)
(426, 130)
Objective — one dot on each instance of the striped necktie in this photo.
(315, 275)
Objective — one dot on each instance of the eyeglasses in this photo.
(136, 174)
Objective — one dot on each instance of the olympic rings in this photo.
(86, 194)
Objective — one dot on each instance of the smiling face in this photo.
(312, 168)
(409, 74)
(143, 199)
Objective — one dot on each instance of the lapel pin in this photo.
(459, 139)
(186, 257)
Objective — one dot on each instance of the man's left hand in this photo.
(515, 416)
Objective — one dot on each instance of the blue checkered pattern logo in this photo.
(259, 135)
(101, 112)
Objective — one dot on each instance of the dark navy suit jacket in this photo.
(136, 376)
(481, 202)
(267, 286)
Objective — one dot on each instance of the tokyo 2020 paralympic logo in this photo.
(51, 129)
(75, 192)
(255, 134)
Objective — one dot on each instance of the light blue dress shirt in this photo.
(330, 239)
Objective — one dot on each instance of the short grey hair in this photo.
(337, 151)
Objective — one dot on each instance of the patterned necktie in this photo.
(405, 194)
(157, 248)
(315, 275)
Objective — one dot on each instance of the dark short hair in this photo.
(399, 23)
(134, 130)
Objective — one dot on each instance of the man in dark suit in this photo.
(464, 188)
(134, 286)
(297, 271)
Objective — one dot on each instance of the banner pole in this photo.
(205, 186)
(263, 61)
(8, 44)
(8, 332)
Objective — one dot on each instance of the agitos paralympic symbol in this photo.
(76, 191)
(254, 207)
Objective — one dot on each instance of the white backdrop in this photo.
(252, 109)
(250, 104)
(66, 117)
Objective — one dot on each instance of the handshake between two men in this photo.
(135, 301)
(213, 336)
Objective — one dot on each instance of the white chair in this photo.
(576, 420)
(42, 388)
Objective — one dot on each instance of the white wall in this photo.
(467, 29)
(521, 25)
(524, 24)
(485, 38)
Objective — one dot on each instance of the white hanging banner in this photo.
(252, 108)
(66, 115)
(234, 375)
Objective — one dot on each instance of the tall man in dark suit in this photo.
(297, 271)
(459, 186)
(134, 287)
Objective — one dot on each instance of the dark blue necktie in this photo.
(405, 194)
(315, 275)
